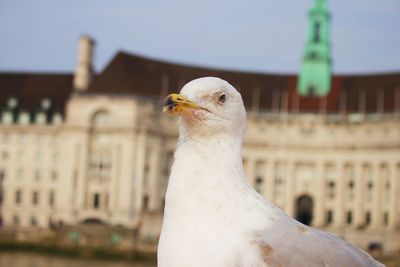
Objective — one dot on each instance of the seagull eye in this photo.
(222, 98)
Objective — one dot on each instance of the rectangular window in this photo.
(145, 204)
(16, 219)
(96, 200)
(33, 221)
(54, 175)
(259, 179)
(386, 218)
(18, 197)
(329, 217)
(20, 173)
(350, 177)
(349, 217)
(35, 198)
(37, 175)
(279, 179)
(4, 155)
(100, 164)
(51, 199)
(106, 200)
(331, 189)
(367, 218)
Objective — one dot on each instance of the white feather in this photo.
(214, 218)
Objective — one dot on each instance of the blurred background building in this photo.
(94, 147)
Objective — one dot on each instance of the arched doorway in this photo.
(93, 220)
(304, 209)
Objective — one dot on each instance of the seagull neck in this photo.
(202, 168)
(223, 148)
(208, 160)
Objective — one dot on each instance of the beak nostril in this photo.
(168, 101)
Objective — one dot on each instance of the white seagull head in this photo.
(208, 106)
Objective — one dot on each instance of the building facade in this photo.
(88, 147)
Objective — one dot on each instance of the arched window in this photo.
(304, 207)
(100, 150)
(101, 119)
(100, 157)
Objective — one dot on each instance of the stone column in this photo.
(67, 186)
(140, 168)
(394, 173)
(339, 218)
(113, 191)
(269, 180)
(359, 194)
(82, 200)
(320, 195)
(378, 175)
(250, 171)
(154, 175)
(290, 173)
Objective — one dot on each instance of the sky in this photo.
(252, 35)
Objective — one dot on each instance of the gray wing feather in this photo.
(294, 244)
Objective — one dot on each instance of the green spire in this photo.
(315, 76)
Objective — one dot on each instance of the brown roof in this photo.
(31, 88)
(134, 74)
(131, 74)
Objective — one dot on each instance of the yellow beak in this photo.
(178, 104)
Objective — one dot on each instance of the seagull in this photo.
(212, 216)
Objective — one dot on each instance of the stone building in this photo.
(82, 146)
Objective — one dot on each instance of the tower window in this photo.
(317, 30)
(311, 90)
